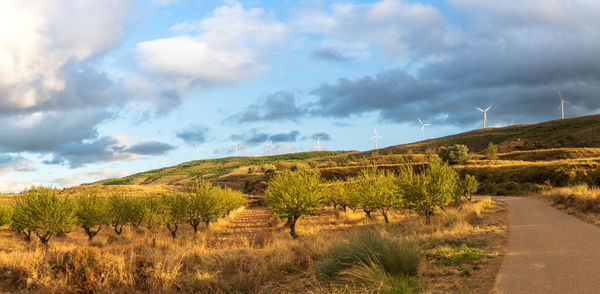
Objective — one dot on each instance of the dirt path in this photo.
(548, 251)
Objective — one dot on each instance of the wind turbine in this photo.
(164, 161)
(484, 115)
(422, 129)
(236, 144)
(270, 145)
(562, 104)
(318, 142)
(198, 149)
(375, 137)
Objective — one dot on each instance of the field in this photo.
(248, 249)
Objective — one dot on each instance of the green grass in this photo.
(457, 252)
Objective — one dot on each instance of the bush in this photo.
(395, 256)
(374, 190)
(294, 194)
(268, 168)
(299, 166)
(431, 189)
(456, 154)
(491, 152)
(44, 212)
(91, 212)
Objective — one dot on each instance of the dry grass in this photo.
(580, 200)
(249, 252)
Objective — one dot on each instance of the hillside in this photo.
(540, 148)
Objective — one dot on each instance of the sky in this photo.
(99, 89)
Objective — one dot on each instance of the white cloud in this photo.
(400, 28)
(227, 46)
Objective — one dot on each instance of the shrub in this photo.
(268, 168)
(468, 186)
(299, 166)
(6, 212)
(176, 204)
(374, 190)
(491, 152)
(426, 191)
(456, 154)
(44, 212)
(294, 194)
(395, 256)
(91, 212)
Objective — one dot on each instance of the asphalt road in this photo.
(548, 251)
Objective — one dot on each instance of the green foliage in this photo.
(207, 203)
(91, 212)
(299, 166)
(268, 168)
(6, 212)
(177, 205)
(374, 190)
(135, 210)
(395, 256)
(338, 194)
(455, 154)
(491, 152)
(44, 212)
(118, 212)
(294, 194)
(426, 191)
(155, 215)
(468, 186)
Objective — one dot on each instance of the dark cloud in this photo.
(278, 106)
(103, 150)
(10, 163)
(150, 148)
(193, 135)
(329, 54)
(285, 137)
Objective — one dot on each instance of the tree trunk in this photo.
(368, 213)
(293, 227)
(173, 229)
(27, 234)
(207, 224)
(154, 240)
(288, 222)
(385, 216)
(44, 238)
(428, 214)
(468, 197)
(195, 227)
(91, 234)
(118, 229)
(344, 207)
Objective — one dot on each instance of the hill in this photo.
(540, 149)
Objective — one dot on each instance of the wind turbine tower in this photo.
(319, 143)
(422, 129)
(270, 145)
(562, 104)
(235, 144)
(198, 149)
(484, 115)
(375, 137)
(164, 161)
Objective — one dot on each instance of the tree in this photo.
(376, 191)
(176, 204)
(468, 186)
(118, 213)
(196, 202)
(91, 212)
(456, 154)
(431, 189)
(294, 194)
(44, 212)
(135, 210)
(491, 152)
(155, 215)
(6, 212)
(338, 195)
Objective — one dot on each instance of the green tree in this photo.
(338, 195)
(468, 186)
(6, 212)
(455, 154)
(431, 189)
(44, 212)
(294, 194)
(376, 191)
(91, 212)
(197, 202)
(155, 215)
(176, 204)
(118, 213)
(491, 152)
(135, 210)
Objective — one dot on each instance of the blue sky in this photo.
(99, 89)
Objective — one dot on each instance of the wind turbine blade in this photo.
(479, 109)
(488, 108)
(559, 95)
(419, 120)
(426, 124)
